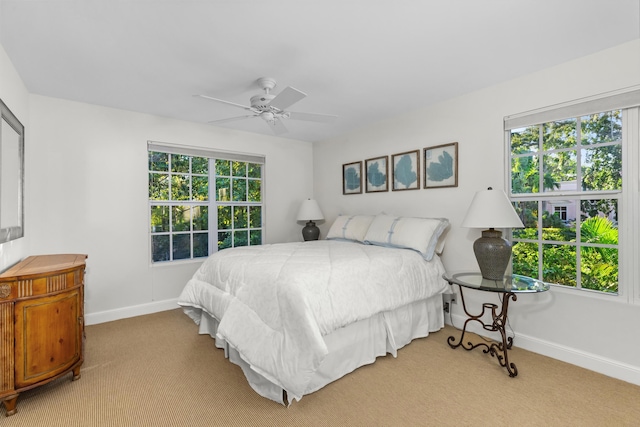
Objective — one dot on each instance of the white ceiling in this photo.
(363, 60)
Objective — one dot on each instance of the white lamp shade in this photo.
(491, 209)
(310, 211)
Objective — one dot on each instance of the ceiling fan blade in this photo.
(232, 119)
(277, 127)
(287, 97)
(313, 117)
(244, 107)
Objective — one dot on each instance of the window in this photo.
(200, 203)
(239, 196)
(568, 185)
(561, 212)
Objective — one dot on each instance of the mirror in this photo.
(11, 176)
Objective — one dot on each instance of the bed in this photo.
(297, 316)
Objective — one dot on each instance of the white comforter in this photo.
(275, 302)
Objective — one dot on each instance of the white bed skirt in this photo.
(350, 347)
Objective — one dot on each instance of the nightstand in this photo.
(508, 287)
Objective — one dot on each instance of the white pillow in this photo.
(442, 240)
(420, 234)
(350, 227)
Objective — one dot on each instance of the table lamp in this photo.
(491, 209)
(310, 212)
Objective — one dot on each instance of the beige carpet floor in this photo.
(155, 370)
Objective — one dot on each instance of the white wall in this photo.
(588, 331)
(15, 96)
(87, 193)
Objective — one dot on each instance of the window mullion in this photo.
(579, 152)
(540, 155)
(578, 203)
(629, 241)
(171, 222)
(213, 210)
(540, 241)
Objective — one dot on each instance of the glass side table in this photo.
(508, 287)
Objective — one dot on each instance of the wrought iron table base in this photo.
(499, 321)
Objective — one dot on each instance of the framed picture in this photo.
(352, 178)
(405, 169)
(376, 172)
(441, 166)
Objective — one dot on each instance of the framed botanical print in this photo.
(441, 166)
(352, 178)
(405, 170)
(376, 172)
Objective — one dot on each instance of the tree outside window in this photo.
(239, 202)
(185, 219)
(566, 181)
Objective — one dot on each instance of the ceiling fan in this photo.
(273, 108)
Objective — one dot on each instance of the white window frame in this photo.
(627, 100)
(213, 202)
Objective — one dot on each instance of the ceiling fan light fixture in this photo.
(268, 116)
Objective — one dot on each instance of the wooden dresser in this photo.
(41, 323)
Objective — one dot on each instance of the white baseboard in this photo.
(593, 362)
(133, 311)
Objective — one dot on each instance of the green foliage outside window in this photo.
(575, 157)
(158, 161)
(180, 205)
(239, 190)
(239, 196)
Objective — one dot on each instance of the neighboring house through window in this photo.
(202, 201)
